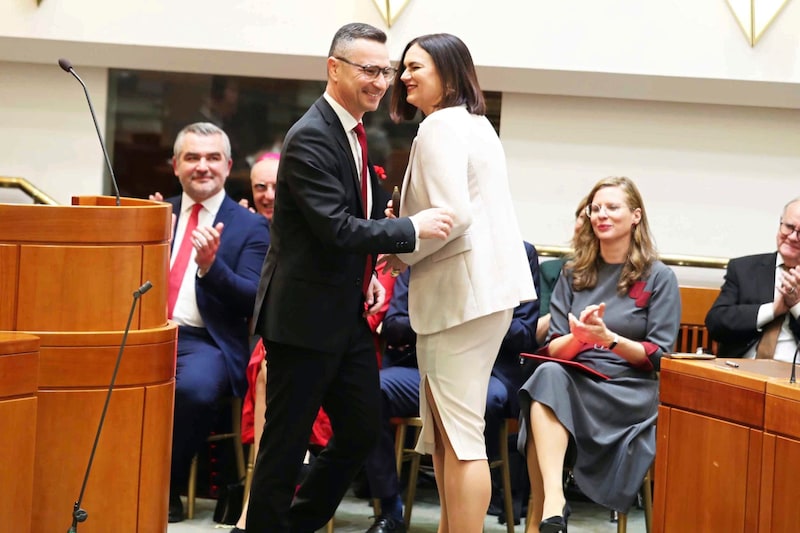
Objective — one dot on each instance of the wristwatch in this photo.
(613, 342)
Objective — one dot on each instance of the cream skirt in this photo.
(456, 365)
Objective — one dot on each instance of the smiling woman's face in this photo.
(423, 84)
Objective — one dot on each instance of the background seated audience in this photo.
(757, 311)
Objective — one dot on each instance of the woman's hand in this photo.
(391, 262)
(590, 327)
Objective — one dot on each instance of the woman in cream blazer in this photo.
(462, 290)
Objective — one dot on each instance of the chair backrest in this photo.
(695, 303)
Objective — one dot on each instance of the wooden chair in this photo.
(695, 303)
(647, 503)
(236, 435)
(402, 454)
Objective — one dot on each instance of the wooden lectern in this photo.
(728, 448)
(19, 359)
(67, 276)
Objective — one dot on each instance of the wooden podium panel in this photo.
(18, 367)
(709, 474)
(719, 464)
(780, 511)
(68, 275)
(66, 430)
(130, 474)
(74, 268)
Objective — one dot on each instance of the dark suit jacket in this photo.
(731, 321)
(225, 295)
(310, 292)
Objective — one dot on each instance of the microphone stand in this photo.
(78, 514)
(66, 66)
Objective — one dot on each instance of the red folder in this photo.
(566, 362)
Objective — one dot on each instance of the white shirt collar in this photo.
(211, 204)
(348, 121)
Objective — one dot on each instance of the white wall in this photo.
(47, 130)
(714, 178)
(665, 50)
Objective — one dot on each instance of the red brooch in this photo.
(640, 295)
(380, 171)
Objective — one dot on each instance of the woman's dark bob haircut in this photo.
(453, 61)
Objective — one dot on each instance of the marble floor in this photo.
(354, 514)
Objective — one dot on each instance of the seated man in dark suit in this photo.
(757, 310)
(218, 249)
(400, 391)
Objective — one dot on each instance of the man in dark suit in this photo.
(399, 383)
(757, 310)
(316, 286)
(214, 271)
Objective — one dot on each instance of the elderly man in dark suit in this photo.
(316, 286)
(218, 250)
(756, 313)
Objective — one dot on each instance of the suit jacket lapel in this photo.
(338, 133)
(223, 215)
(765, 278)
(176, 210)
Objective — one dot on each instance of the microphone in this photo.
(792, 378)
(66, 66)
(78, 514)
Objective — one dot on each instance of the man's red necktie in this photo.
(181, 262)
(361, 135)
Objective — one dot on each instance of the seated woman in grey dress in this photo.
(616, 309)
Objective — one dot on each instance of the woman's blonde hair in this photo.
(641, 253)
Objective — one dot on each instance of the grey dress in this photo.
(611, 422)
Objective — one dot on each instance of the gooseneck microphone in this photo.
(794, 363)
(66, 66)
(78, 514)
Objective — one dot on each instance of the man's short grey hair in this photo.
(790, 202)
(350, 32)
(204, 129)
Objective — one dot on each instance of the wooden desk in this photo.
(19, 359)
(728, 444)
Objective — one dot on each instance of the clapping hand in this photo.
(590, 328)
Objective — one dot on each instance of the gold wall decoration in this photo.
(755, 16)
(390, 9)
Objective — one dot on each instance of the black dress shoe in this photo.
(556, 524)
(384, 524)
(175, 509)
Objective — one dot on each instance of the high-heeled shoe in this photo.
(556, 524)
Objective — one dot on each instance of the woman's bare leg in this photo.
(550, 440)
(466, 484)
(537, 486)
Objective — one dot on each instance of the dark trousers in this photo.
(400, 397)
(299, 380)
(201, 380)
